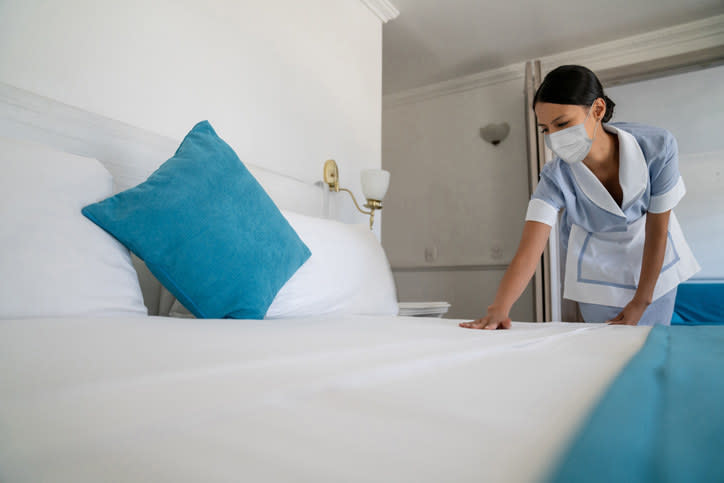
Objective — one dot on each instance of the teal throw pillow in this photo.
(207, 230)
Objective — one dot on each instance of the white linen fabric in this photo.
(353, 398)
(53, 261)
(348, 273)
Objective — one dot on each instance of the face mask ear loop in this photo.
(595, 126)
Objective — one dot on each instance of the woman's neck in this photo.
(604, 151)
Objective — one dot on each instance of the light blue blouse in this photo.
(603, 242)
(649, 176)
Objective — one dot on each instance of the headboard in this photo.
(131, 154)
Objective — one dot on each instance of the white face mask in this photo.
(571, 144)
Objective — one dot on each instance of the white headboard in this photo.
(131, 154)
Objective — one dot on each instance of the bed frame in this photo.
(131, 154)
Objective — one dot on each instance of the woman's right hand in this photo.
(517, 276)
(491, 321)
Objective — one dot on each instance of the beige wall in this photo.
(468, 290)
(456, 196)
(691, 106)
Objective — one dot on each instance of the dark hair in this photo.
(573, 84)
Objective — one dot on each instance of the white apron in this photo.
(604, 268)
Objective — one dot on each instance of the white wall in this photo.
(288, 84)
(691, 106)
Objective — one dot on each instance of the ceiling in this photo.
(436, 40)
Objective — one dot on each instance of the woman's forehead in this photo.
(548, 111)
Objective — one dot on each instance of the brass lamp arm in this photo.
(331, 178)
(371, 212)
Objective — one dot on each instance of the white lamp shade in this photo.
(375, 183)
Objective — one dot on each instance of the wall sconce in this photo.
(495, 133)
(374, 186)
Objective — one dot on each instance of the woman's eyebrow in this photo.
(554, 120)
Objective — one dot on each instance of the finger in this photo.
(617, 320)
(475, 324)
(503, 324)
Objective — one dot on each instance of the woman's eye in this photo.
(561, 124)
(543, 130)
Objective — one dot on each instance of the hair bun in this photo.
(609, 109)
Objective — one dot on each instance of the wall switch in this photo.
(431, 253)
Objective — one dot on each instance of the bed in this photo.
(330, 396)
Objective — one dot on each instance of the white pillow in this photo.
(53, 261)
(348, 273)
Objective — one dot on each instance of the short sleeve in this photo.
(667, 186)
(545, 203)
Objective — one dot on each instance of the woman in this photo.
(625, 253)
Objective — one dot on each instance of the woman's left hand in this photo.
(631, 314)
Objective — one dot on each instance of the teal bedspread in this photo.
(699, 302)
(662, 420)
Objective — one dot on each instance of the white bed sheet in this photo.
(328, 399)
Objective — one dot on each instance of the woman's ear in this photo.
(599, 108)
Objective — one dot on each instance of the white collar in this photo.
(633, 175)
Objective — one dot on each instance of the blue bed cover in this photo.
(662, 419)
(699, 301)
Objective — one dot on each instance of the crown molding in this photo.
(453, 86)
(680, 39)
(384, 10)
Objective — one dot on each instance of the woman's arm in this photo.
(657, 228)
(521, 269)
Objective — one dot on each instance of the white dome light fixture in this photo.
(375, 183)
(495, 133)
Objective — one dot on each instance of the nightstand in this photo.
(423, 309)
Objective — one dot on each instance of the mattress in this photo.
(321, 399)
